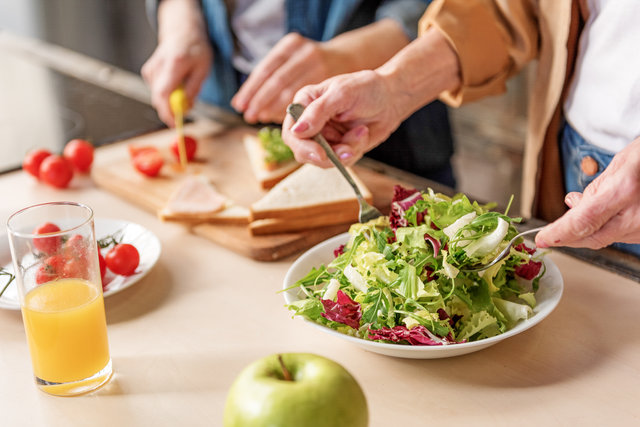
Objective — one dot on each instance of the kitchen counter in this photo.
(181, 335)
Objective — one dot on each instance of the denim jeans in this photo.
(574, 149)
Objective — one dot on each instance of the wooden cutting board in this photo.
(222, 157)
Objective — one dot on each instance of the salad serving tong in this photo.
(367, 212)
(504, 253)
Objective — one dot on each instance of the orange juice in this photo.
(66, 330)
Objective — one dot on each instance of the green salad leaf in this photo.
(276, 151)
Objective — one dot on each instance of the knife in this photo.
(179, 106)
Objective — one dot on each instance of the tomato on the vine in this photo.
(190, 147)
(74, 246)
(75, 268)
(103, 267)
(48, 245)
(55, 170)
(50, 269)
(80, 153)
(33, 160)
(123, 259)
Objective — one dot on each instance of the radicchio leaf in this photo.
(531, 269)
(417, 335)
(521, 247)
(345, 310)
(401, 193)
(403, 199)
(434, 242)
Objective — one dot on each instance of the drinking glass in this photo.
(55, 258)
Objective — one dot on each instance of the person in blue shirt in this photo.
(252, 56)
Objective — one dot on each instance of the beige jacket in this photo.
(494, 40)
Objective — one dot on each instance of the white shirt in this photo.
(257, 26)
(603, 104)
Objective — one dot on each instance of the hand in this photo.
(294, 62)
(183, 56)
(355, 112)
(608, 211)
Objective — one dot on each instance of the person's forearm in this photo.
(367, 47)
(421, 71)
(177, 16)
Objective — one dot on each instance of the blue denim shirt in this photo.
(318, 20)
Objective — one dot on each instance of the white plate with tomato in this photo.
(147, 244)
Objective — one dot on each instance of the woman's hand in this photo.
(608, 211)
(183, 55)
(355, 112)
(296, 61)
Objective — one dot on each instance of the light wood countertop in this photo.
(180, 336)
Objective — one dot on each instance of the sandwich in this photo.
(196, 200)
(271, 159)
(307, 198)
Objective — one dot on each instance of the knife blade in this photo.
(179, 106)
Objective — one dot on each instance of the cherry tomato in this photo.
(190, 147)
(33, 159)
(123, 259)
(75, 268)
(103, 267)
(48, 245)
(56, 171)
(50, 269)
(74, 247)
(80, 153)
(147, 160)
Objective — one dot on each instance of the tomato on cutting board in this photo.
(190, 148)
(146, 160)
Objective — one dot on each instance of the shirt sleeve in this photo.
(406, 12)
(493, 41)
(151, 7)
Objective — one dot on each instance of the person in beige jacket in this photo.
(467, 50)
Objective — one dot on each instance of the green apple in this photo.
(295, 390)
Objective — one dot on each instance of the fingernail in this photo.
(313, 157)
(360, 132)
(300, 127)
(346, 155)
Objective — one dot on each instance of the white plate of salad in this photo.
(108, 232)
(397, 285)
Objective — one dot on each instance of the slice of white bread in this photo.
(196, 200)
(307, 198)
(267, 175)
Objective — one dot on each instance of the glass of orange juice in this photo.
(55, 257)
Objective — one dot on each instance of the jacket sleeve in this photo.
(493, 39)
(406, 12)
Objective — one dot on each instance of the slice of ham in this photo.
(196, 197)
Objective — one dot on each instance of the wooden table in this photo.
(180, 336)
